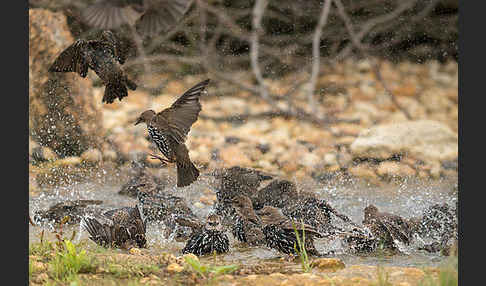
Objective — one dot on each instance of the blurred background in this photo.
(355, 100)
(320, 91)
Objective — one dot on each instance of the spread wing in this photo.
(161, 16)
(105, 14)
(72, 59)
(180, 116)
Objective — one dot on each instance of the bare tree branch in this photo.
(369, 25)
(258, 10)
(316, 53)
(356, 42)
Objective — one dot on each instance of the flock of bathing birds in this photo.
(272, 216)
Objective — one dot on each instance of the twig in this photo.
(240, 118)
(139, 44)
(369, 25)
(376, 70)
(316, 53)
(258, 10)
(357, 43)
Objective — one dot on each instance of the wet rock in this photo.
(135, 251)
(62, 112)
(92, 156)
(426, 140)
(69, 161)
(332, 264)
(330, 159)
(364, 171)
(389, 169)
(110, 155)
(174, 268)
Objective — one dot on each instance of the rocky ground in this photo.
(110, 267)
(382, 146)
(372, 140)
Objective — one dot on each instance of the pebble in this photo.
(174, 267)
(92, 156)
(135, 251)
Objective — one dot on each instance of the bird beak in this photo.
(138, 121)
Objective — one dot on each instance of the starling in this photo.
(312, 211)
(280, 232)
(208, 239)
(298, 205)
(74, 209)
(151, 16)
(169, 128)
(278, 193)
(105, 57)
(247, 226)
(438, 224)
(235, 181)
(150, 182)
(360, 240)
(121, 228)
(388, 228)
(164, 207)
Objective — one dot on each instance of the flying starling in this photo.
(169, 128)
(280, 233)
(121, 228)
(388, 228)
(208, 239)
(151, 16)
(74, 209)
(105, 57)
(247, 226)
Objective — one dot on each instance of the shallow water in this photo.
(406, 199)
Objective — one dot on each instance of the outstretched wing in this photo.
(183, 112)
(161, 16)
(107, 14)
(71, 59)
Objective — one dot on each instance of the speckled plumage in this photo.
(280, 233)
(247, 225)
(105, 57)
(236, 181)
(388, 228)
(298, 205)
(121, 228)
(169, 128)
(208, 239)
(163, 207)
